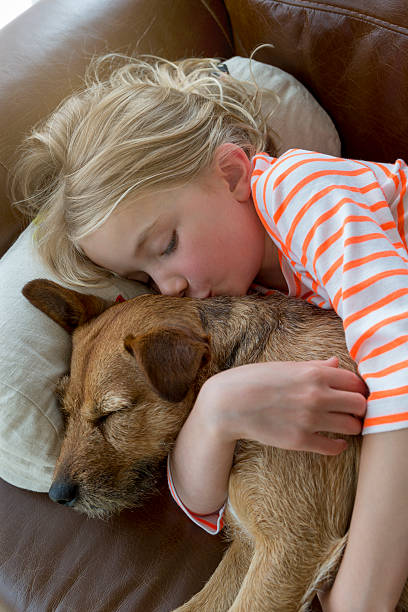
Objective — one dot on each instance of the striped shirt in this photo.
(341, 228)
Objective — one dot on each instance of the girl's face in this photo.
(196, 241)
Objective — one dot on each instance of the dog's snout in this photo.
(63, 492)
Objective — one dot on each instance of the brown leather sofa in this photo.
(353, 56)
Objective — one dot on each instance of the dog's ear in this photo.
(66, 307)
(170, 358)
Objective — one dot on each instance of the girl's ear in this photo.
(233, 166)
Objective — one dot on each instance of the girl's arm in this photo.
(375, 564)
(284, 404)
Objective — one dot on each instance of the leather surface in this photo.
(53, 559)
(351, 54)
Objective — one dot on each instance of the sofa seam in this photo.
(358, 16)
(218, 22)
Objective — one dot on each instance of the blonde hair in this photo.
(140, 125)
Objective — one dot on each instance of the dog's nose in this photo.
(63, 492)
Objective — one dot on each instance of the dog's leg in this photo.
(269, 584)
(223, 586)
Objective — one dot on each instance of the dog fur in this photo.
(136, 370)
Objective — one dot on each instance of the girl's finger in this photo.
(347, 402)
(327, 446)
(344, 380)
(342, 424)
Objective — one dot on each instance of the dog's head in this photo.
(136, 369)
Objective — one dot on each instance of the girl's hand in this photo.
(287, 404)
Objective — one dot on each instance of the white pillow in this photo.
(34, 354)
(35, 351)
(297, 119)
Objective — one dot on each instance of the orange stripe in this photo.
(374, 236)
(267, 178)
(372, 280)
(371, 331)
(400, 208)
(309, 159)
(178, 501)
(258, 170)
(362, 260)
(390, 393)
(254, 184)
(309, 179)
(282, 249)
(337, 299)
(278, 163)
(297, 277)
(387, 371)
(324, 192)
(203, 521)
(326, 277)
(388, 173)
(263, 156)
(389, 225)
(356, 262)
(388, 346)
(373, 307)
(366, 237)
(378, 205)
(322, 219)
(339, 295)
(304, 210)
(266, 224)
(298, 284)
(391, 418)
(332, 239)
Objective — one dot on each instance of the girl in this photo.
(157, 173)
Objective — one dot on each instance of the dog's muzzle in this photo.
(64, 493)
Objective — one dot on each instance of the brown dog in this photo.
(135, 373)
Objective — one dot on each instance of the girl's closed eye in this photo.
(172, 244)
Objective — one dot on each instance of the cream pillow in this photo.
(34, 354)
(35, 351)
(297, 119)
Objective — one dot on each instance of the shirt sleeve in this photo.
(342, 224)
(211, 523)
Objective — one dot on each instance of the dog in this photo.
(136, 369)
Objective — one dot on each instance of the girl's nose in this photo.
(175, 286)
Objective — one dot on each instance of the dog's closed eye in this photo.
(100, 420)
(109, 406)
